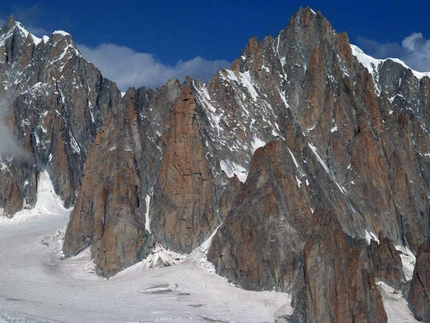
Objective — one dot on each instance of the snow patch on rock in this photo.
(48, 202)
(408, 261)
(395, 305)
(231, 168)
(369, 236)
(372, 63)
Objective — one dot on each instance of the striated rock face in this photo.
(260, 243)
(419, 291)
(307, 83)
(111, 212)
(338, 155)
(53, 102)
(300, 150)
(386, 262)
(339, 281)
(183, 204)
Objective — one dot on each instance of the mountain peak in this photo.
(63, 41)
(10, 22)
(9, 25)
(326, 161)
(307, 10)
(12, 27)
(307, 17)
(61, 32)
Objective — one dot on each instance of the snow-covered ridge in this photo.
(21, 27)
(61, 32)
(23, 31)
(26, 33)
(372, 63)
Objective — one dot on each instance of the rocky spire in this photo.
(9, 24)
(325, 157)
(56, 107)
(419, 291)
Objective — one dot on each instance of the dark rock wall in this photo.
(419, 292)
(339, 281)
(183, 205)
(110, 212)
(326, 151)
(56, 102)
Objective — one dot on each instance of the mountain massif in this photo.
(307, 163)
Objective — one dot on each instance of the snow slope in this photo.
(37, 286)
(47, 203)
(372, 63)
(395, 305)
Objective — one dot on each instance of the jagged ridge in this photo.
(327, 154)
(56, 104)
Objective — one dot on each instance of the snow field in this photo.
(38, 286)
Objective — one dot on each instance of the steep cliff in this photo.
(54, 102)
(183, 203)
(305, 151)
(339, 281)
(331, 138)
(420, 285)
(345, 150)
(111, 211)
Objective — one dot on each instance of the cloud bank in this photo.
(414, 50)
(129, 68)
(8, 145)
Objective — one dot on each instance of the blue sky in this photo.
(151, 41)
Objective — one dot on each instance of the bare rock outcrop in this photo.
(53, 102)
(183, 210)
(260, 243)
(111, 214)
(386, 262)
(339, 281)
(110, 211)
(419, 292)
(336, 156)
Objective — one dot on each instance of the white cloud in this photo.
(417, 51)
(414, 50)
(8, 145)
(129, 68)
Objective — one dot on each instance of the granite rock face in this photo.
(259, 245)
(420, 285)
(53, 102)
(301, 154)
(386, 262)
(340, 139)
(183, 204)
(339, 281)
(109, 208)
(111, 212)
